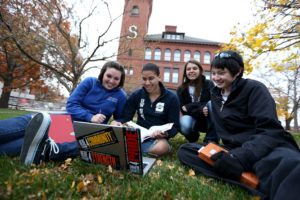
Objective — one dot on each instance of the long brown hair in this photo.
(198, 82)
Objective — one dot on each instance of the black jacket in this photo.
(195, 109)
(165, 109)
(247, 122)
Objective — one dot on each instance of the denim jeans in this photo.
(12, 133)
(187, 126)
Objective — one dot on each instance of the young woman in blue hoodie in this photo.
(94, 100)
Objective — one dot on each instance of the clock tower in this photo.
(131, 49)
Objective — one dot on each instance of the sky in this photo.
(205, 19)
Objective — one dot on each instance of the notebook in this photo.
(119, 147)
(61, 128)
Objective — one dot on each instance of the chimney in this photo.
(169, 28)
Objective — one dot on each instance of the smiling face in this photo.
(150, 81)
(222, 78)
(111, 78)
(192, 71)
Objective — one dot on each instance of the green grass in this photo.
(75, 179)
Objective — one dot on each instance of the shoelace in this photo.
(53, 146)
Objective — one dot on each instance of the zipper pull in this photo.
(222, 107)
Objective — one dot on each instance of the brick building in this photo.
(169, 49)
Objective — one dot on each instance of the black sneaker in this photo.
(36, 136)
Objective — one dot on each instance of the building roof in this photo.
(185, 39)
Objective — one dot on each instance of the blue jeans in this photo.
(187, 126)
(12, 133)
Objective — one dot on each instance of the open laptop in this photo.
(117, 146)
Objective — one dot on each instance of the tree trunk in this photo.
(296, 126)
(4, 99)
(6, 90)
(288, 124)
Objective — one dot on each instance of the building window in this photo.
(166, 74)
(130, 71)
(197, 56)
(187, 55)
(177, 55)
(130, 52)
(207, 57)
(168, 55)
(148, 54)
(175, 76)
(135, 10)
(157, 54)
(207, 75)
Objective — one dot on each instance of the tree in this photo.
(16, 70)
(275, 27)
(283, 81)
(274, 34)
(64, 51)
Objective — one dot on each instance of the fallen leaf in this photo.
(68, 161)
(80, 186)
(100, 179)
(89, 177)
(8, 187)
(34, 171)
(109, 169)
(171, 166)
(191, 172)
(73, 184)
(159, 162)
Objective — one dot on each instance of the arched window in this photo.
(157, 54)
(207, 57)
(197, 56)
(148, 54)
(168, 55)
(187, 55)
(135, 10)
(177, 55)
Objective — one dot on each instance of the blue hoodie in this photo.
(90, 98)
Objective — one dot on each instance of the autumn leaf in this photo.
(100, 179)
(73, 184)
(159, 162)
(191, 173)
(8, 187)
(109, 169)
(171, 166)
(81, 186)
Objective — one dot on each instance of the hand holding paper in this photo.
(147, 133)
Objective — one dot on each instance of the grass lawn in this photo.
(74, 179)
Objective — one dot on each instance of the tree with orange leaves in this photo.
(45, 26)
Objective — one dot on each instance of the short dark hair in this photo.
(230, 60)
(151, 67)
(114, 65)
